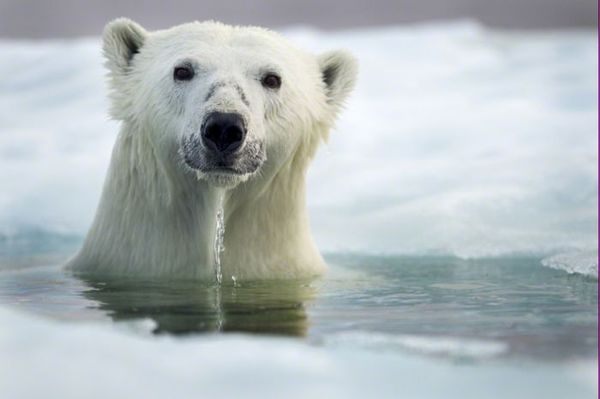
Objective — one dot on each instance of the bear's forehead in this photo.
(214, 37)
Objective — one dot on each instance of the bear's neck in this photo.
(152, 220)
(267, 232)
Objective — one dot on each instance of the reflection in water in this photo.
(531, 310)
(189, 307)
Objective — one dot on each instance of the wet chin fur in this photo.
(228, 172)
(223, 179)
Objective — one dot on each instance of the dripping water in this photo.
(219, 248)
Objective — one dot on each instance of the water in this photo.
(219, 246)
(517, 304)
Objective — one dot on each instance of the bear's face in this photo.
(220, 101)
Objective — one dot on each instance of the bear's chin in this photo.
(225, 180)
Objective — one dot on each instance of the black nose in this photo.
(223, 132)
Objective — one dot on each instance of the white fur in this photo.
(156, 216)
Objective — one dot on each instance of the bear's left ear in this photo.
(339, 70)
(122, 40)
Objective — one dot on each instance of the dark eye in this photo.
(271, 81)
(184, 72)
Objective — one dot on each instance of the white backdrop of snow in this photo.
(457, 140)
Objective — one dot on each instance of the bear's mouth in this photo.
(207, 163)
(224, 169)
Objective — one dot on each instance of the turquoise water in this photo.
(524, 309)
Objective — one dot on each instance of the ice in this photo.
(585, 263)
(50, 359)
(458, 140)
(464, 141)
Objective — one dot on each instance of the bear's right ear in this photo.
(122, 40)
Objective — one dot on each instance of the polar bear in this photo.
(216, 121)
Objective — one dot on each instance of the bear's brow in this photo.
(212, 89)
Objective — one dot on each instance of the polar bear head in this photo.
(223, 102)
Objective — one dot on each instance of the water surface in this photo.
(515, 306)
